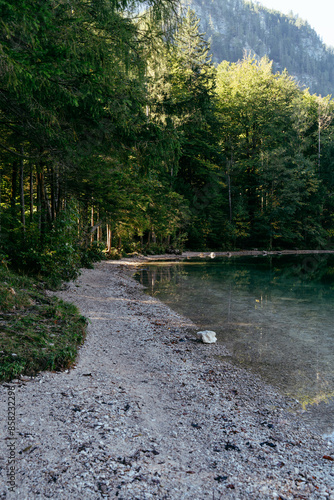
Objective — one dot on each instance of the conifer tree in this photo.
(186, 101)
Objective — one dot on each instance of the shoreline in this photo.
(138, 259)
(150, 412)
(310, 413)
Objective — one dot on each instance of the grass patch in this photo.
(37, 332)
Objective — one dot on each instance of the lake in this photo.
(274, 314)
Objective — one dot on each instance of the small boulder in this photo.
(207, 336)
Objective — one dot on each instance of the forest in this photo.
(120, 135)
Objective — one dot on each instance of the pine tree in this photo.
(186, 100)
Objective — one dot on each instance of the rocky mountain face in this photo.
(236, 26)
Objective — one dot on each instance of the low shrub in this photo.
(37, 332)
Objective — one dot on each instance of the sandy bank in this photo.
(148, 412)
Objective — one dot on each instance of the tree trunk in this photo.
(31, 193)
(99, 229)
(59, 192)
(229, 196)
(53, 193)
(109, 238)
(39, 203)
(46, 203)
(23, 217)
(0, 198)
(92, 224)
(13, 195)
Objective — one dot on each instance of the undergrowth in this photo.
(37, 332)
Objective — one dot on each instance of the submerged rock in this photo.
(207, 336)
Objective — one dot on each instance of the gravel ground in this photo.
(150, 412)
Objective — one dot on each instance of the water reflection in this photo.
(273, 313)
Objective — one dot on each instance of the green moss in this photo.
(37, 332)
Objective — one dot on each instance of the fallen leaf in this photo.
(27, 448)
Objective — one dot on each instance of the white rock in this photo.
(207, 336)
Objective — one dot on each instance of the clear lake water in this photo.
(273, 313)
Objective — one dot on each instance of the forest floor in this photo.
(148, 412)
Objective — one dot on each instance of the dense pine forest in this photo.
(118, 133)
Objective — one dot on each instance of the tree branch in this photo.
(12, 151)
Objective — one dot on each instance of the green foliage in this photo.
(119, 135)
(54, 266)
(53, 255)
(268, 156)
(183, 89)
(94, 253)
(37, 332)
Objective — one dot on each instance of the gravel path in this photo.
(149, 412)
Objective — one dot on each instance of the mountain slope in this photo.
(236, 26)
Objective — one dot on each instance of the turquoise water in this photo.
(275, 315)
